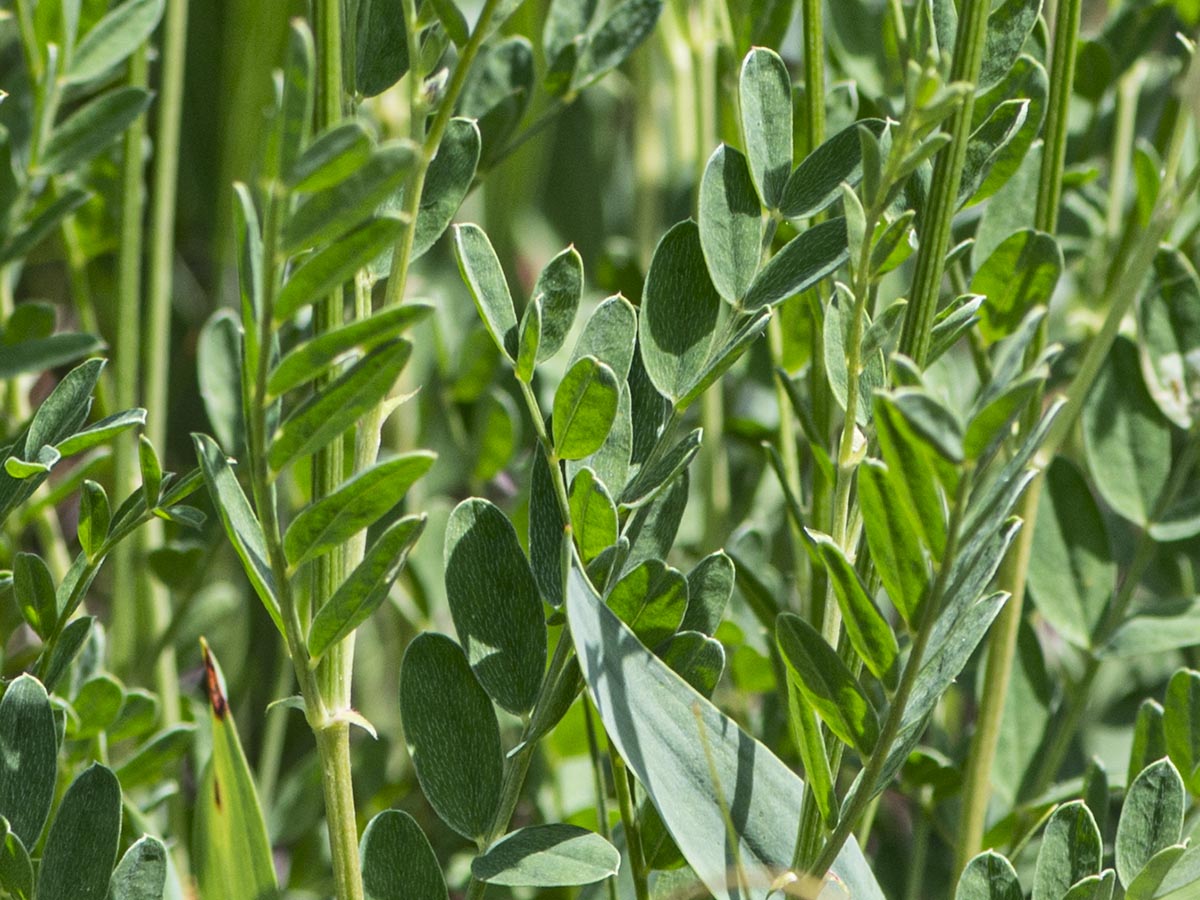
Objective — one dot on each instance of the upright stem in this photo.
(158, 318)
(942, 202)
(814, 74)
(128, 608)
(633, 837)
(868, 780)
(1002, 642)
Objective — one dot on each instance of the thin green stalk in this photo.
(633, 836)
(334, 673)
(1002, 641)
(1002, 645)
(516, 767)
(598, 785)
(402, 254)
(814, 74)
(940, 206)
(128, 617)
(915, 884)
(868, 780)
(1124, 134)
(157, 336)
(1054, 152)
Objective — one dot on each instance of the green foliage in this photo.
(501, 493)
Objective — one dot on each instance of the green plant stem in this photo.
(1002, 641)
(157, 335)
(1054, 151)
(402, 253)
(516, 766)
(128, 616)
(1002, 645)
(942, 202)
(814, 74)
(334, 673)
(858, 802)
(1125, 132)
(914, 886)
(598, 784)
(633, 836)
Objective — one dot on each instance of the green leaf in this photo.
(482, 273)
(710, 585)
(816, 182)
(617, 37)
(529, 341)
(1149, 739)
(1169, 324)
(335, 154)
(330, 213)
(61, 414)
(1180, 882)
(1020, 274)
(157, 759)
(653, 479)
(1181, 725)
(1071, 568)
(314, 357)
(219, 371)
(807, 733)
(991, 144)
(892, 540)
(585, 405)
(356, 504)
(497, 91)
(1026, 79)
(28, 758)
(683, 750)
(559, 287)
(101, 432)
(33, 587)
(566, 21)
(651, 599)
(989, 876)
(292, 126)
(1145, 885)
(82, 845)
(913, 472)
(696, 658)
(827, 685)
(1126, 440)
(96, 704)
(610, 335)
(1025, 722)
(680, 310)
(231, 854)
(447, 182)
(40, 354)
(546, 531)
(113, 38)
(1094, 887)
(722, 358)
(66, 648)
(365, 589)
(142, 872)
(1009, 25)
(151, 470)
(869, 633)
(730, 223)
(28, 237)
(593, 515)
(873, 376)
(1071, 850)
(241, 525)
(327, 269)
(803, 261)
(547, 856)
(452, 734)
(380, 46)
(495, 604)
(1151, 819)
(16, 870)
(330, 411)
(765, 92)
(397, 861)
